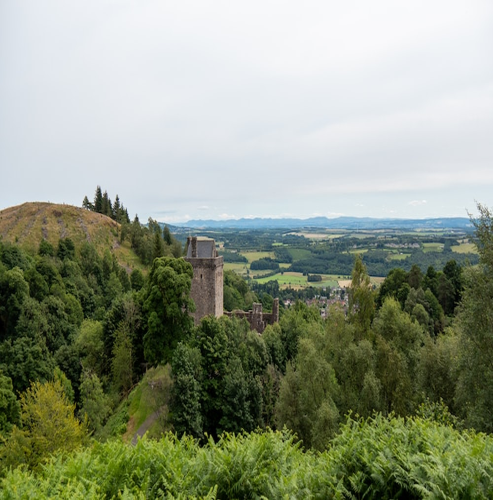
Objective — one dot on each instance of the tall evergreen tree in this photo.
(87, 204)
(117, 209)
(98, 200)
(106, 207)
(168, 239)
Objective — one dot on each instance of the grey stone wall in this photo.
(257, 318)
(207, 285)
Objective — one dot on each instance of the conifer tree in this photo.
(167, 235)
(106, 207)
(87, 204)
(98, 200)
(117, 209)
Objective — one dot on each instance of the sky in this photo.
(217, 109)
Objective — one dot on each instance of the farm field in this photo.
(320, 236)
(356, 251)
(332, 254)
(465, 248)
(375, 280)
(297, 280)
(238, 268)
(398, 256)
(251, 256)
(299, 253)
(432, 247)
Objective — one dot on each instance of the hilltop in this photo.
(29, 223)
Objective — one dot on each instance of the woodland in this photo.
(392, 400)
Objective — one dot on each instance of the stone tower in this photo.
(207, 282)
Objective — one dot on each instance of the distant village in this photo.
(333, 296)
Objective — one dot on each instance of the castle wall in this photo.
(256, 317)
(207, 286)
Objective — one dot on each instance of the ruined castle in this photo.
(207, 286)
(207, 282)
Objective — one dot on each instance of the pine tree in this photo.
(106, 207)
(158, 250)
(98, 201)
(167, 236)
(117, 209)
(87, 204)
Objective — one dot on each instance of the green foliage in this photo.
(438, 368)
(187, 391)
(60, 377)
(474, 394)
(219, 379)
(116, 424)
(66, 249)
(48, 426)
(399, 342)
(122, 362)
(25, 359)
(294, 323)
(14, 290)
(102, 204)
(265, 263)
(331, 374)
(89, 343)
(361, 307)
(167, 303)
(9, 406)
(373, 458)
(233, 257)
(236, 292)
(137, 280)
(46, 248)
(95, 404)
(275, 347)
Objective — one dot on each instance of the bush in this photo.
(374, 458)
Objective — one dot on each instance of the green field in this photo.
(251, 256)
(297, 280)
(299, 253)
(357, 251)
(432, 247)
(398, 256)
(465, 248)
(260, 273)
(238, 268)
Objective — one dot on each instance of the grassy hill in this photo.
(29, 223)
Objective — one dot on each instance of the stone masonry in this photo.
(257, 318)
(207, 282)
(207, 286)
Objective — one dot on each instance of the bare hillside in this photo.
(29, 223)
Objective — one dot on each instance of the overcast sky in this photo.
(217, 109)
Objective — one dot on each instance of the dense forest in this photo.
(410, 360)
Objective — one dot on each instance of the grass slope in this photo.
(29, 223)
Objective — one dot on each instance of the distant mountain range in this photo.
(352, 223)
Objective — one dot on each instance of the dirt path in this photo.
(145, 426)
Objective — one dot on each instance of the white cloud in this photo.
(248, 108)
